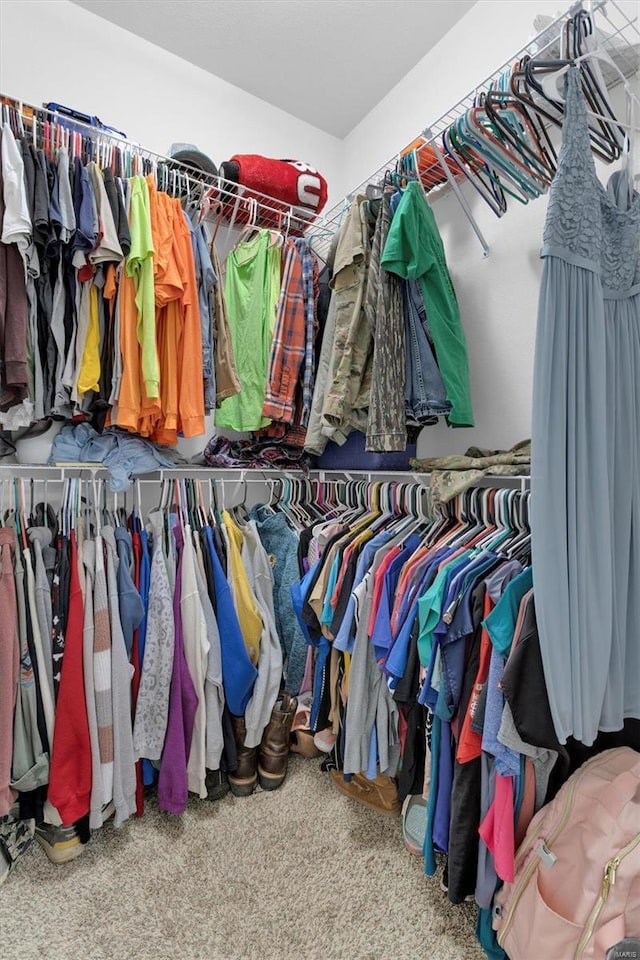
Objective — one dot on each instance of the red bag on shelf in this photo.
(290, 183)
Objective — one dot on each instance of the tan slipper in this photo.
(302, 743)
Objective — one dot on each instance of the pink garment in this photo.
(9, 665)
(497, 829)
(307, 680)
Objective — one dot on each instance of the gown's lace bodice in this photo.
(587, 224)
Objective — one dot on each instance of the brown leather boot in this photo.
(274, 749)
(244, 778)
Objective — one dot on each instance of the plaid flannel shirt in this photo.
(288, 345)
(310, 286)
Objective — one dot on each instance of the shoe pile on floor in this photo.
(61, 844)
(265, 765)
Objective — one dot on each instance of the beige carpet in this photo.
(299, 874)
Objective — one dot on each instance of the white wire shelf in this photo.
(237, 198)
(236, 475)
(618, 33)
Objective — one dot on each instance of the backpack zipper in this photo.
(526, 876)
(608, 880)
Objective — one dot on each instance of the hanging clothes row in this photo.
(425, 674)
(116, 307)
(109, 298)
(394, 355)
(138, 653)
(390, 353)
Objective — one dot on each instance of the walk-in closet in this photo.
(319, 480)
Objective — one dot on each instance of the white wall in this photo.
(497, 296)
(483, 39)
(55, 50)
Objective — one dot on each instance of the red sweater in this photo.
(70, 774)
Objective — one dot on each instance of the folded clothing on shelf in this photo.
(123, 455)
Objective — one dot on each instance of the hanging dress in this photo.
(586, 442)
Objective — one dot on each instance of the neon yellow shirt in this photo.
(139, 265)
(89, 376)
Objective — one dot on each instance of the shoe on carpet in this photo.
(301, 734)
(414, 823)
(61, 844)
(243, 780)
(16, 836)
(273, 755)
(470, 898)
(325, 740)
(217, 784)
(302, 743)
(380, 794)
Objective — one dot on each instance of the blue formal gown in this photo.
(586, 442)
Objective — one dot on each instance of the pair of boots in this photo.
(266, 764)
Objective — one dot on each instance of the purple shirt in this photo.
(183, 703)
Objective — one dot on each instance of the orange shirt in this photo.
(190, 379)
(130, 397)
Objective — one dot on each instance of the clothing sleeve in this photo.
(408, 250)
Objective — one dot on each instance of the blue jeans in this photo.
(425, 396)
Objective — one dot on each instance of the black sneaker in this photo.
(61, 844)
(217, 784)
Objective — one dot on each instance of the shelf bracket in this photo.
(428, 135)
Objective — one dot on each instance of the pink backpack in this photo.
(576, 891)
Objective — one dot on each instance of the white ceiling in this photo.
(325, 61)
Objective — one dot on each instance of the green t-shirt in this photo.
(139, 265)
(252, 289)
(414, 251)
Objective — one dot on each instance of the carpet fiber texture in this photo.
(301, 873)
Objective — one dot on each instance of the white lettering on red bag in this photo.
(309, 185)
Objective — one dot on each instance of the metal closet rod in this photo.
(58, 474)
(229, 190)
(431, 133)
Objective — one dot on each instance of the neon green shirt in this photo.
(252, 289)
(139, 265)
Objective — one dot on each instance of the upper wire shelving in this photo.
(618, 33)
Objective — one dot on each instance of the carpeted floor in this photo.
(302, 873)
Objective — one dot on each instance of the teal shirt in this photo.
(430, 608)
(414, 251)
(502, 620)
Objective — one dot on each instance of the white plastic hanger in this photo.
(549, 84)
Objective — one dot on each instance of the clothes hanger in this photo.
(581, 40)
(476, 170)
(603, 143)
(515, 177)
(252, 226)
(549, 84)
(520, 129)
(202, 513)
